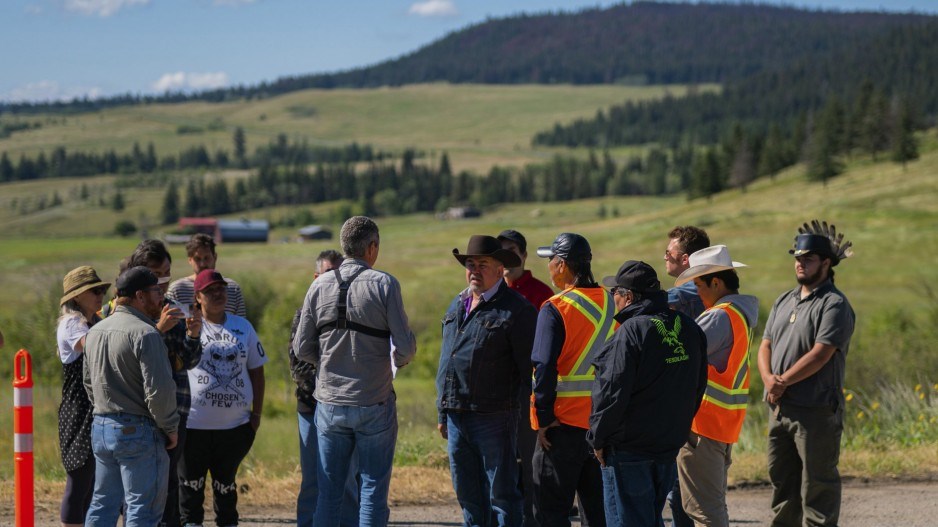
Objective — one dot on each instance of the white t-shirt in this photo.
(222, 395)
(67, 334)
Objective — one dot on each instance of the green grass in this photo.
(478, 124)
(889, 213)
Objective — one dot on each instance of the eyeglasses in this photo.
(671, 257)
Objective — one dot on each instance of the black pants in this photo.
(79, 486)
(527, 438)
(568, 468)
(219, 452)
(171, 511)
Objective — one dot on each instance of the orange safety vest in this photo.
(588, 320)
(723, 408)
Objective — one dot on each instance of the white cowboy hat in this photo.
(708, 260)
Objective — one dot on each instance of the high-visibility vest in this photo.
(723, 408)
(588, 320)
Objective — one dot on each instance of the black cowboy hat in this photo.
(481, 245)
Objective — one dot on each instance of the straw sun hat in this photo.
(79, 280)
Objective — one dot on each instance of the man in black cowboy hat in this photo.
(802, 360)
(488, 331)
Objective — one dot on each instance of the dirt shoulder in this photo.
(865, 504)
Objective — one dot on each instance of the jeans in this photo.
(131, 467)
(171, 510)
(635, 488)
(309, 489)
(368, 433)
(482, 461)
(566, 470)
(679, 518)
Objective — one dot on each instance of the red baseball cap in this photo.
(206, 278)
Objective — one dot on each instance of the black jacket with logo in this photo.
(650, 378)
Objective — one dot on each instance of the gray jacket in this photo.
(354, 369)
(719, 331)
(127, 369)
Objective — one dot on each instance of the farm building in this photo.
(315, 232)
(243, 230)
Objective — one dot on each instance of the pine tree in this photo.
(6, 168)
(117, 202)
(825, 144)
(904, 144)
(876, 124)
(240, 147)
(170, 212)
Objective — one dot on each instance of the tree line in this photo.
(637, 43)
(65, 163)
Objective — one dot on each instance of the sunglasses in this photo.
(99, 290)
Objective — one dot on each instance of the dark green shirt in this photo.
(795, 325)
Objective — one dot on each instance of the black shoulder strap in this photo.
(342, 321)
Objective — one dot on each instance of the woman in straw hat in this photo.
(83, 293)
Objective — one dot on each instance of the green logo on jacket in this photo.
(671, 339)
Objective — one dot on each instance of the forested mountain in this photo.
(898, 65)
(642, 42)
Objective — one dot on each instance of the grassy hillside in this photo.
(479, 125)
(889, 213)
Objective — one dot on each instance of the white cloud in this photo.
(102, 8)
(433, 8)
(181, 80)
(46, 90)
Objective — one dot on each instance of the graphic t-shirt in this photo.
(222, 394)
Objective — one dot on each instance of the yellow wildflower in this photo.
(875, 406)
(921, 417)
(849, 396)
(921, 396)
(918, 387)
(860, 415)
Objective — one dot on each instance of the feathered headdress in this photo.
(822, 238)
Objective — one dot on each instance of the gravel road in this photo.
(877, 504)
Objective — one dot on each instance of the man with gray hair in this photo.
(348, 321)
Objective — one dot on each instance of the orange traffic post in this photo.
(23, 438)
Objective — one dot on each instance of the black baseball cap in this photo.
(568, 246)
(135, 279)
(516, 237)
(635, 276)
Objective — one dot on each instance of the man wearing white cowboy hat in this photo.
(802, 360)
(703, 462)
(488, 332)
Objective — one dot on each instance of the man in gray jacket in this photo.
(350, 320)
(129, 379)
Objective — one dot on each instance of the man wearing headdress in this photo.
(802, 360)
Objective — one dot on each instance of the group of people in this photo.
(162, 385)
(615, 395)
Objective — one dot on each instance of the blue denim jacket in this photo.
(684, 298)
(485, 355)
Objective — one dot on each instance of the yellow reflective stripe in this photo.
(575, 394)
(602, 325)
(743, 371)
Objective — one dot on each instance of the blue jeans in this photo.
(131, 467)
(309, 489)
(368, 433)
(635, 488)
(484, 467)
(679, 518)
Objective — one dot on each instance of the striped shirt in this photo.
(183, 292)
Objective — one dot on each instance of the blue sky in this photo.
(54, 49)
